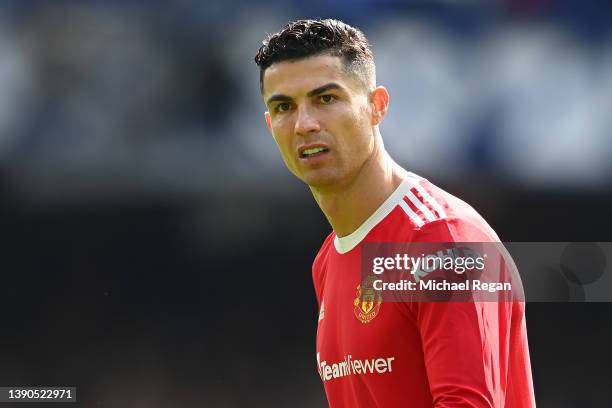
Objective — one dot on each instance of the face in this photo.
(321, 117)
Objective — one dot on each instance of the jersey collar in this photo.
(348, 242)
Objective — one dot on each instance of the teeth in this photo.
(314, 150)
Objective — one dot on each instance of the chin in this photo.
(321, 179)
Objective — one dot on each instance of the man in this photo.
(317, 79)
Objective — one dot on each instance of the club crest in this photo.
(367, 301)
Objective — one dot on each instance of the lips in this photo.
(312, 150)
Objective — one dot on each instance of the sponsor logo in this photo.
(353, 366)
(367, 301)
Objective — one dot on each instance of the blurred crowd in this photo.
(107, 99)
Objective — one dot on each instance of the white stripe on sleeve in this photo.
(422, 207)
(429, 199)
(413, 216)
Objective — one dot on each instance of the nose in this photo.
(306, 122)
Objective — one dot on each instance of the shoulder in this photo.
(437, 215)
(417, 210)
(319, 265)
(323, 253)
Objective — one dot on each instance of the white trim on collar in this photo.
(347, 243)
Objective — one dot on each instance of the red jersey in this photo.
(416, 354)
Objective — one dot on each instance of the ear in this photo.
(379, 98)
(268, 121)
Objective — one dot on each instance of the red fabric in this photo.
(418, 354)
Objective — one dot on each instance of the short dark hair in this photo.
(305, 38)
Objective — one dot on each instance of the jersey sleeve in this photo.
(465, 344)
(319, 270)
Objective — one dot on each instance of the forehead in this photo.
(294, 78)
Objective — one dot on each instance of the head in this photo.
(317, 78)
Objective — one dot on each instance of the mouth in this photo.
(306, 152)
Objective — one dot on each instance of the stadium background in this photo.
(156, 253)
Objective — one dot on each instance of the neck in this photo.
(348, 206)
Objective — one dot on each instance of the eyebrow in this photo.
(314, 92)
(324, 88)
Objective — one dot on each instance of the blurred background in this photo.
(156, 252)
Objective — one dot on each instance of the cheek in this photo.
(277, 131)
(358, 124)
(365, 115)
(360, 141)
(357, 115)
(282, 137)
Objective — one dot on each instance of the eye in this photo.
(283, 107)
(327, 99)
